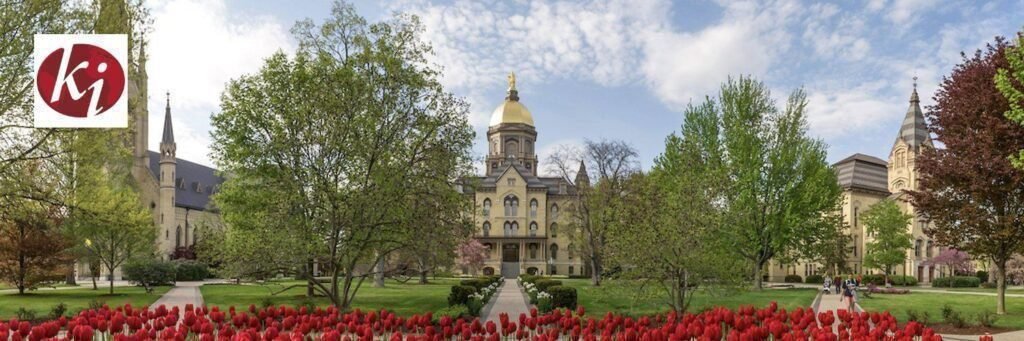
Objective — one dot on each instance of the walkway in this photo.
(834, 303)
(509, 299)
(182, 294)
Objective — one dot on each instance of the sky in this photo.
(606, 69)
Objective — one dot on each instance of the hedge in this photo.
(793, 279)
(872, 279)
(478, 283)
(903, 280)
(814, 279)
(190, 270)
(460, 294)
(957, 282)
(544, 284)
(562, 296)
(982, 275)
(148, 273)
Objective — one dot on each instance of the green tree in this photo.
(1010, 82)
(778, 190)
(337, 143)
(887, 227)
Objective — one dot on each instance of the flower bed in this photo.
(273, 323)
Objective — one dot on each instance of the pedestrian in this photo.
(837, 282)
(828, 286)
(848, 294)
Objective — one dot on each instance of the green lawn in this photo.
(402, 298)
(967, 305)
(42, 301)
(626, 298)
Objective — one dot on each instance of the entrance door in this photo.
(510, 260)
(920, 274)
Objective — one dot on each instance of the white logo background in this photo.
(46, 117)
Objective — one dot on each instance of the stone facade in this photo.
(520, 216)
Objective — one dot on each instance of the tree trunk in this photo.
(111, 274)
(595, 271)
(1000, 288)
(378, 275)
(69, 279)
(758, 282)
(423, 277)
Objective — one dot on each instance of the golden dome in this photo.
(511, 111)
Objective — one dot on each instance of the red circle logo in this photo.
(83, 83)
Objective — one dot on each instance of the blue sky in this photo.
(613, 69)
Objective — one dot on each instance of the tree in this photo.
(471, 254)
(957, 261)
(336, 144)
(831, 247)
(594, 207)
(887, 226)
(32, 247)
(114, 227)
(779, 191)
(970, 190)
(666, 235)
(1010, 82)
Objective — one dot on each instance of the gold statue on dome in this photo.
(511, 81)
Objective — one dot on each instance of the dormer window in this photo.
(511, 181)
(180, 183)
(199, 187)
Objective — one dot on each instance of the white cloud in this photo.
(195, 48)
(834, 35)
(838, 113)
(905, 13)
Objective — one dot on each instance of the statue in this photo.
(511, 81)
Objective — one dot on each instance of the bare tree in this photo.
(595, 206)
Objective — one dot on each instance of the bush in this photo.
(58, 310)
(793, 279)
(544, 303)
(562, 296)
(814, 279)
(903, 280)
(920, 317)
(872, 279)
(953, 317)
(477, 283)
(460, 294)
(957, 282)
(149, 273)
(454, 312)
(474, 305)
(527, 278)
(25, 314)
(982, 276)
(544, 284)
(986, 319)
(190, 270)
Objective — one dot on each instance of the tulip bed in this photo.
(286, 323)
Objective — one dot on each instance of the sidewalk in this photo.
(509, 300)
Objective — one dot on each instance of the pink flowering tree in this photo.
(471, 254)
(958, 261)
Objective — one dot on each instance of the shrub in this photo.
(527, 278)
(478, 283)
(982, 275)
(814, 279)
(454, 312)
(793, 279)
(903, 280)
(190, 270)
(474, 305)
(25, 314)
(953, 317)
(872, 279)
(58, 310)
(920, 317)
(957, 282)
(562, 296)
(544, 284)
(149, 273)
(544, 303)
(987, 318)
(460, 294)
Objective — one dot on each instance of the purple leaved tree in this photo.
(959, 261)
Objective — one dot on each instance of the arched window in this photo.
(511, 206)
(928, 250)
(533, 208)
(508, 229)
(487, 207)
(511, 147)
(488, 247)
(177, 237)
(572, 250)
(554, 251)
(917, 248)
(487, 229)
(533, 229)
(554, 230)
(533, 251)
(554, 212)
(856, 241)
(856, 210)
(167, 234)
(515, 228)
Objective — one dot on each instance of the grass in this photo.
(402, 298)
(42, 301)
(968, 305)
(626, 298)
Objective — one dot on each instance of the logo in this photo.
(81, 80)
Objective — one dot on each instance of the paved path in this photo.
(509, 299)
(833, 303)
(182, 294)
(1007, 336)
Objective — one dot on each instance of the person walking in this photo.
(848, 294)
(828, 286)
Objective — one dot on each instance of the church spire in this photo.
(914, 132)
(582, 178)
(168, 128)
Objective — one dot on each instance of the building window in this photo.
(554, 212)
(515, 228)
(511, 181)
(167, 234)
(177, 238)
(533, 229)
(508, 229)
(571, 268)
(533, 208)
(487, 229)
(554, 230)
(856, 210)
(928, 250)
(917, 248)
(488, 247)
(856, 241)
(487, 207)
(572, 251)
(554, 251)
(533, 251)
(511, 206)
